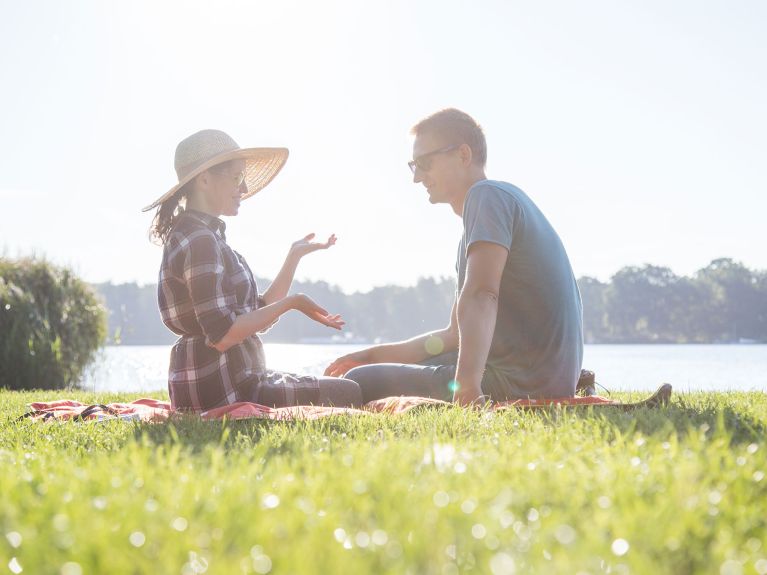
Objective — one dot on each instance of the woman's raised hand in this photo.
(310, 309)
(306, 246)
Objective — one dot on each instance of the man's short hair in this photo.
(455, 127)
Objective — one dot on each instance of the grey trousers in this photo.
(431, 378)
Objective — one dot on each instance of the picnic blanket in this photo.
(155, 410)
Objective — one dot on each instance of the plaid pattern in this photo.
(203, 286)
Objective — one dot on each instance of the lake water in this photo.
(618, 367)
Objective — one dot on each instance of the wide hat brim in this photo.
(261, 167)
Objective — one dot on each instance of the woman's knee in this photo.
(340, 392)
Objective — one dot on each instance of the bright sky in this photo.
(640, 128)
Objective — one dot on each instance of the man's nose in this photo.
(417, 175)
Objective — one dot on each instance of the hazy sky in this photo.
(640, 128)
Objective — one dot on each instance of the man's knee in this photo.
(376, 381)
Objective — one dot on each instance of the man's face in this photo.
(438, 167)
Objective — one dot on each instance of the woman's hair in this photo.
(167, 214)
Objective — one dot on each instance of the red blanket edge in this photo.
(148, 409)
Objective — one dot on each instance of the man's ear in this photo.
(466, 155)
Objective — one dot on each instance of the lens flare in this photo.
(434, 345)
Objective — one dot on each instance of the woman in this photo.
(208, 294)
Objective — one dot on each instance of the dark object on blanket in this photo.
(87, 413)
(586, 385)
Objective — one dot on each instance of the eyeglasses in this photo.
(237, 178)
(423, 162)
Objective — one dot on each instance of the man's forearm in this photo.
(416, 349)
(477, 313)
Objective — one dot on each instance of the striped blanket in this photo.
(154, 410)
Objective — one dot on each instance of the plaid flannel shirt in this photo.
(203, 286)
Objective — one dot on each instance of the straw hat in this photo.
(207, 148)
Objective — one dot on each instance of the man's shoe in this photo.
(586, 385)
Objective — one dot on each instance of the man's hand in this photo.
(469, 396)
(306, 246)
(344, 363)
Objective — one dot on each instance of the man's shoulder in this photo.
(492, 195)
(496, 187)
(502, 191)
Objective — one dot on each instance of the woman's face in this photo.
(225, 187)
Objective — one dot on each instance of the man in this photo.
(515, 329)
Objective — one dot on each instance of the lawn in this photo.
(680, 489)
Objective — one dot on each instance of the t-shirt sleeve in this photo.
(488, 216)
(212, 294)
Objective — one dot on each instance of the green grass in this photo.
(675, 490)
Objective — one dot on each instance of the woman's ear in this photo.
(201, 181)
(203, 178)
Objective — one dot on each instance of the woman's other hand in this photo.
(310, 309)
(306, 246)
(347, 362)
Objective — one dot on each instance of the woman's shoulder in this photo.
(187, 226)
(191, 235)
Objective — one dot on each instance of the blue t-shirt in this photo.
(537, 347)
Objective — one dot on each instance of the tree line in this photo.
(723, 302)
(385, 313)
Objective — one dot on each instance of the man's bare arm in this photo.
(476, 313)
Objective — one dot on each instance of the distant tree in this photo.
(594, 313)
(760, 311)
(133, 316)
(639, 302)
(391, 313)
(737, 305)
(687, 311)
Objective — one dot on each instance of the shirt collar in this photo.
(215, 224)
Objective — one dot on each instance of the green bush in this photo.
(51, 325)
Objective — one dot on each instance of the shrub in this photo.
(51, 325)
